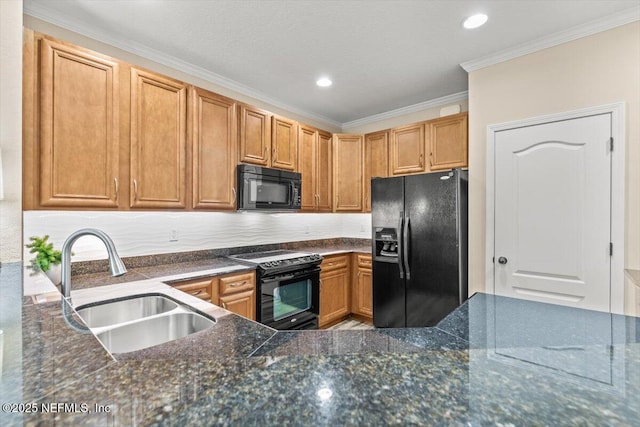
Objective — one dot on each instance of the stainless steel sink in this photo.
(153, 331)
(112, 313)
(141, 321)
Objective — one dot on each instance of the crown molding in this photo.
(433, 103)
(44, 13)
(606, 23)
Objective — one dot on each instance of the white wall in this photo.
(11, 129)
(145, 233)
(595, 70)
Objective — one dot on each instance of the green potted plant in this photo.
(47, 258)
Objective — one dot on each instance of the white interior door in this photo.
(553, 212)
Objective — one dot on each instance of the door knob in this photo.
(502, 260)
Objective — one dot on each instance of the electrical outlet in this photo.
(174, 236)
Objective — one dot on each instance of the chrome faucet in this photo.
(116, 266)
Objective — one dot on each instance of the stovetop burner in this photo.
(279, 259)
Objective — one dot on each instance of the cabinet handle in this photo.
(135, 190)
(233, 190)
(421, 159)
(275, 153)
(236, 284)
(198, 292)
(265, 152)
(430, 159)
(331, 263)
(359, 273)
(224, 305)
(115, 183)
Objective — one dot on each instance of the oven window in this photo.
(291, 299)
(261, 191)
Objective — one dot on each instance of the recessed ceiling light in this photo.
(475, 21)
(324, 82)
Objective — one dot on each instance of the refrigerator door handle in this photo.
(400, 254)
(406, 244)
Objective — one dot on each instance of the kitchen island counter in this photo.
(493, 361)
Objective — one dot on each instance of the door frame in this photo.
(617, 111)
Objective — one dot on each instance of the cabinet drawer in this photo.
(237, 283)
(334, 262)
(200, 288)
(364, 261)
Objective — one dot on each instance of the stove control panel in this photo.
(309, 259)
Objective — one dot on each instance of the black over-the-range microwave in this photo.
(267, 189)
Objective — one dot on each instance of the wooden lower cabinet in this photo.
(335, 290)
(362, 288)
(233, 292)
(243, 303)
(201, 288)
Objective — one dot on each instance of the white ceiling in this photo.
(381, 55)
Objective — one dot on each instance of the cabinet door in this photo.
(307, 142)
(243, 303)
(334, 296)
(284, 141)
(348, 172)
(255, 136)
(215, 148)
(448, 142)
(324, 172)
(363, 293)
(376, 156)
(79, 128)
(407, 150)
(158, 141)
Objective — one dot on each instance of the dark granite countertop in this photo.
(493, 361)
(192, 265)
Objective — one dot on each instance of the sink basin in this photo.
(126, 310)
(141, 321)
(152, 331)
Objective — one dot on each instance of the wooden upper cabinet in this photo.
(324, 172)
(307, 151)
(315, 166)
(406, 150)
(348, 161)
(214, 150)
(376, 162)
(284, 141)
(158, 141)
(447, 142)
(255, 136)
(79, 127)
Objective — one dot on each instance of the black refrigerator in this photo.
(419, 247)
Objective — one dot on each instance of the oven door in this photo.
(260, 191)
(289, 300)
